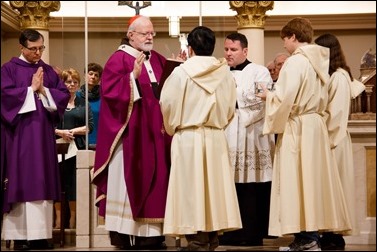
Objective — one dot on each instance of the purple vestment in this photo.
(146, 145)
(31, 165)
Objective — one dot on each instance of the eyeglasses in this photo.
(35, 49)
(146, 34)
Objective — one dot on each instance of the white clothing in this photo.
(197, 102)
(306, 192)
(28, 221)
(251, 152)
(341, 91)
(118, 210)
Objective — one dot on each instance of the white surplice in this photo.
(251, 152)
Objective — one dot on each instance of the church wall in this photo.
(67, 48)
(356, 32)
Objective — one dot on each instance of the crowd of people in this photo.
(207, 156)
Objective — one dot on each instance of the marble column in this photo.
(36, 15)
(251, 17)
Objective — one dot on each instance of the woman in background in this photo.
(93, 77)
(72, 128)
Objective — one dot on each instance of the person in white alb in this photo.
(306, 193)
(343, 87)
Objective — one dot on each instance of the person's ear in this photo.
(245, 50)
(191, 51)
(129, 35)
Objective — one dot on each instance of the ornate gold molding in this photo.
(35, 14)
(251, 14)
(360, 21)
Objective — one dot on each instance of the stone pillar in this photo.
(36, 15)
(251, 17)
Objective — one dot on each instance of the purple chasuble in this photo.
(31, 164)
(146, 146)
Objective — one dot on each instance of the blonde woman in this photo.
(72, 128)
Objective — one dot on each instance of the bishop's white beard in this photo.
(146, 47)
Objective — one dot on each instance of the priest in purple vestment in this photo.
(33, 99)
(132, 158)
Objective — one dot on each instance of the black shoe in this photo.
(121, 241)
(41, 244)
(21, 245)
(300, 244)
(331, 241)
(150, 243)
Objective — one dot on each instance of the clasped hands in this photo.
(67, 135)
(37, 82)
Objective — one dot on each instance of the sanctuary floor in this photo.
(269, 245)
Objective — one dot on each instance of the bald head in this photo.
(279, 60)
(271, 68)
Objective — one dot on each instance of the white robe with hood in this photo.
(197, 102)
(341, 90)
(306, 193)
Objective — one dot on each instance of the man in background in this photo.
(251, 152)
(279, 60)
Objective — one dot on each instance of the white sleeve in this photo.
(48, 102)
(135, 89)
(29, 103)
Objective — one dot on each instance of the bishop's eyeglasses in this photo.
(146, 34)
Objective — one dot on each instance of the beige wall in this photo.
(356, 32)
(67, 48)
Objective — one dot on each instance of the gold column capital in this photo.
(251, 14)
(34, 14)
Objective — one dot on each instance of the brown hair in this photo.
(337, 58)
(95, 68)
(300, 27)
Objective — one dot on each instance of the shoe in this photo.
(21, 245)
(302, 245)
(149, 243)
(331, 241)
(41, 244)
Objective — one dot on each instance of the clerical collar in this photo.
(147, 55)
(240, 67)
(22, 57)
